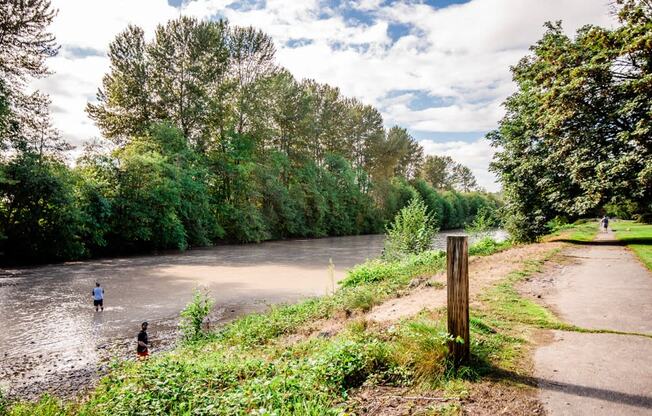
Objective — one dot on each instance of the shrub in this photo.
(194, 314)
(482, 222)
(412, 231)
(487, 246)
(398, 271)
(362, 297)
(557, 224)
(422, 346)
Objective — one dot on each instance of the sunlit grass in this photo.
(638, 237)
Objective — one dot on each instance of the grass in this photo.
(583, 232)
(638, 237)
(249, 367)
(578, 232)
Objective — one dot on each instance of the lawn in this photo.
(638, 237)
(584, 232)
(578, 232)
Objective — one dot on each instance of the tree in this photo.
(25, 44)
(463, 179)
(177, 77)
(576, 133)
(437, 170)
(251, 58)
(24, 41)
(124, 107)
(409, 153)
(443, 173)
(38, 216)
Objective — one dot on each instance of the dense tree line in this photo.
(578, 132)
(207, 139)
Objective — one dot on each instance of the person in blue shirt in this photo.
(98, 297)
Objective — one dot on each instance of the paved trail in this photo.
(606, 287)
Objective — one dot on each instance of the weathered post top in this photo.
(457, 271)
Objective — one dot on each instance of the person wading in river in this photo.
(143, 343)
(98, 297)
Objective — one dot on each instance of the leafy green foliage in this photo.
(576, 134)
(412, 231)
(443, 173)
(401, 270)
(39, 218)
(194, 315)
(483, 221)
(210, 141)
(422, 348)
(487, 246)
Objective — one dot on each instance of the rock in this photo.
(325, 334)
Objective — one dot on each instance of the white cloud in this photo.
(462, 52)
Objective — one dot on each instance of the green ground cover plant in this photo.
(638, 237)
(580, 231)
(194, 315)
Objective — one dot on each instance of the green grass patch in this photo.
(508, 306)
(488, 246)
(638, 237)
(583, 232)
(580, 231)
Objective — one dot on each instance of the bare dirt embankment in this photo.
(487, 397)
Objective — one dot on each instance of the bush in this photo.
(363, 298)
(482, 222)
(412, 231)
(194, 314)
(422, 347)
(398, 271)
(487, 246)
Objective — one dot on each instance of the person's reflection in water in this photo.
(97, 324)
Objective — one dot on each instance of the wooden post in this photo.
(457, 270)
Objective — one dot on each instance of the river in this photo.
(51, 338)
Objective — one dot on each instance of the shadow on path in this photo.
(624, 242)
(636, 400)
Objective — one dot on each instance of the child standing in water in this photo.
(143, 342)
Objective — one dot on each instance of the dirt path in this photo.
(483, 272)
(604, 287)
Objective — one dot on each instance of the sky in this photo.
(439, 68)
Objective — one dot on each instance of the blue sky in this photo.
(440, 68)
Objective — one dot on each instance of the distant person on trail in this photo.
(143, 343)
(604, 223)
(98, 297)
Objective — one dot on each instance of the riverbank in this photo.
(370, 346)
(53, 340)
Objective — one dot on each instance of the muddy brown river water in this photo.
(51, 338)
